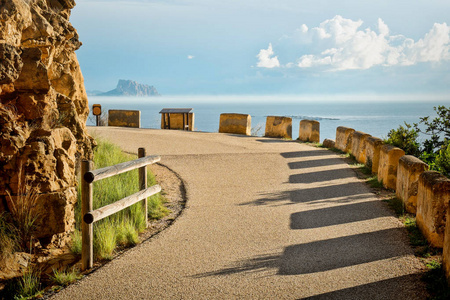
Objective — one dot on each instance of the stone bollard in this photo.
(432, 205)
(328, 143)
(387, 167)
(373, 146)
(408, 172)
(279, 127)
(235, 123)
(124, 118)
(309, 131)
(344, 137)
(359, 146)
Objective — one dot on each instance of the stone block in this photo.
(446, 248)
(408, 172)
(432, 205)
(344, 136)
(124, 118)
(235, 123)
(279, 127)
(359, 146)
(373, 146)
(329, 143)
(309, 131)
(388, 164)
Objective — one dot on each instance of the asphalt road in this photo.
(265, 219)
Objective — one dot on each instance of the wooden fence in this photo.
(90, 216)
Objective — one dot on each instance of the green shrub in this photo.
(443, 160)
(405, 137)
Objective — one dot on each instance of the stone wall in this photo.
(408, 172)
(235, 123)
(373, 146)
(309, 131)
(432, 204)
(43, 110)
(344, 137)
(359, 146)
(279, 127)
(387, 165)
(124, 118)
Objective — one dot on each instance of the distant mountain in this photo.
(131, 88)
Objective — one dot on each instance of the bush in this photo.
(442, 161)
(405, 138)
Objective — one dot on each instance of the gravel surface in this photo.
(264, 219)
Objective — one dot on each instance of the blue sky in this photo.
(260, 47)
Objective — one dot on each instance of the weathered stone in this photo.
(373, 146)
(329, 143)
(278, 127)
(409, 170)
(43, 109)
(124, 118)
(309, 131)
(432, 205)
(359, 146)
(177, 121)
(235, 123)
(388, 164)
(344, 137)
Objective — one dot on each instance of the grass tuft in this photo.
(76, 244)
(374, 183)
(64, 278)
(29, 285)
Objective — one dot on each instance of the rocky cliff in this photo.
(132, 88)
(43, 112)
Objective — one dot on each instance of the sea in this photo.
(373, 116)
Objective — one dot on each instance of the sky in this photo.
(262, 47)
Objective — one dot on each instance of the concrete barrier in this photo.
(387, 165)
(279, 127)
(373, 146)
(124, 118)
(235, 123)
(344, 137)
(328, 143)
(309, 131)
(432, 206)
(408, 172)
(359, 146)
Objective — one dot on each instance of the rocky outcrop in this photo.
(43, 111)
(132, 88)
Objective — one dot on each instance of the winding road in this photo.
(265, 219)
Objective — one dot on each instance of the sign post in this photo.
(97, 111)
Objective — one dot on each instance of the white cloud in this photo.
(341, 44)
(265, 59)
(190, 56)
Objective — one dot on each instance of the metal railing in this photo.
(90, 216)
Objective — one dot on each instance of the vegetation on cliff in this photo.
(435, 149)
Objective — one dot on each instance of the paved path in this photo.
(266, 219)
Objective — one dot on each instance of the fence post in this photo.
(143, 182)
(87, 252)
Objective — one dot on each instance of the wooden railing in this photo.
(90, 216)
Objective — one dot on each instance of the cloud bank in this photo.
(341, 44)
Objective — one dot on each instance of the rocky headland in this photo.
(131, 88)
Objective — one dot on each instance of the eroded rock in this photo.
(43, 110)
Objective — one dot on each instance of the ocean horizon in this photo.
(370, 115)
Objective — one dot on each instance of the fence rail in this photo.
(90, 216)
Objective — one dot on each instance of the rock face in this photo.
(132, 88)
(43, 111)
